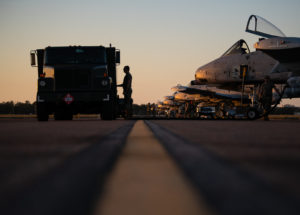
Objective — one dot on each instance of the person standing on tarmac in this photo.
(266, 95)
(153, 110)
(187, 109)
(127, 90)
(148, 109)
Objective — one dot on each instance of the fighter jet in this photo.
(170, 106)
(211, 97)
(241, 72)
(174, 105)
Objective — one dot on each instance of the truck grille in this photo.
(72, 79)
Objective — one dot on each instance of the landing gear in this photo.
(219, 114)
(267, 106)
(252, 114)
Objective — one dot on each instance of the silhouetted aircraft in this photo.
(234, 79)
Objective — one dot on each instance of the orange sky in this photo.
(164, 42)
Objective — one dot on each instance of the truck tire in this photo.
(107, 115)
(107, 112)
(42, 114)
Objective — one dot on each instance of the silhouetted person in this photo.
(153, 110)
(127, 90)
(148, 108)
(187, 109)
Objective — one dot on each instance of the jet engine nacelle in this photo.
(292, 92)
(294, 82)
(293, 89)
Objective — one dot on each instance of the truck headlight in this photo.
(42, 83)
(104, 83)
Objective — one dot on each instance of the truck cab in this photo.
(76, 79)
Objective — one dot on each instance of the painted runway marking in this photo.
(146, 181)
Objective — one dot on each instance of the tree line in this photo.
(17, 108)
(29, 108)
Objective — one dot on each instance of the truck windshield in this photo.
(75, 55)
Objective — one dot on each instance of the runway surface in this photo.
(90, 166)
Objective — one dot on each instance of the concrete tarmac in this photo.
(269, 149)
(55, 167)
(29, 148)
(231, 165)
(241, 167)
(147, 181)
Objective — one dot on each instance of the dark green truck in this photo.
(76, 79)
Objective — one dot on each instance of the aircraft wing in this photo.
(211, 92)
(169, 97)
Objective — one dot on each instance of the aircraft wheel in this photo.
(252, 114)
(220, 114)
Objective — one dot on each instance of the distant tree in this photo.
(24, 108)
(7, 107)
(18, 108)
(139, 109)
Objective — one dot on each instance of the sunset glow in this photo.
(164, 42)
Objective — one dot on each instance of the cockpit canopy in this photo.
(261, 27)
(240, 47)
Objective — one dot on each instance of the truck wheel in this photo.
(252, 114)
(42, 114)
(108, 112)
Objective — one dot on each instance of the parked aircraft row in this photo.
(229, 86)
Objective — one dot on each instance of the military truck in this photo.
(76, 79)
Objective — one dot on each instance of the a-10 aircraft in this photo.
(233, 80)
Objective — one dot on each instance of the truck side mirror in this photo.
(32, 58)
(118, 56)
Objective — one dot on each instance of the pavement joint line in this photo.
(228, 189)
(146, 180)
(71, 187)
